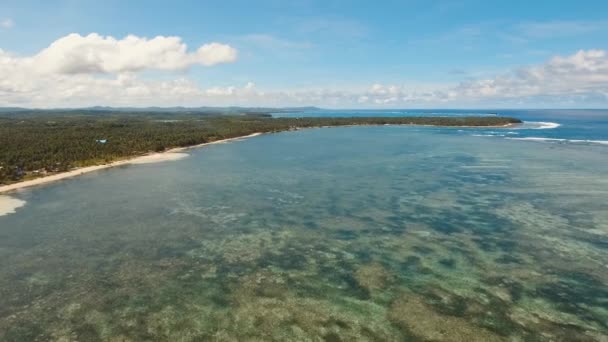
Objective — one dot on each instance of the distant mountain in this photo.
(12, 109)
(204, 109)
(150, 111)
(164, 109)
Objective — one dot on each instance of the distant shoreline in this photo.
(176, 153)
(420, 125)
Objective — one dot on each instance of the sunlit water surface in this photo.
(343, 234)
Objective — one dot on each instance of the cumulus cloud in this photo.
(584, 73)
(76, 54)
(580, 78)
(78, 70)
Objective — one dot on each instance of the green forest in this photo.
(36, 145)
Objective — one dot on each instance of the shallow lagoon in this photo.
(364, 233)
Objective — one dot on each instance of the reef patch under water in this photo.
(385, 234)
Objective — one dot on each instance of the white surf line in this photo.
(539, 125)
(540, 139)
(548, 125)
(485, 167)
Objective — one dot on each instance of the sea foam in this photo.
(539, 125)
(601, 142)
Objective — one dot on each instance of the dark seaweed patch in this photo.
(495, 316)
(240, 269)
(445, 303)
(332, 337)
(445, 227)
(449, 262)
(340, 275)
(597, 241)
(363, 255)
(395, 219)
(220, 299)
(495, 244)
(508, 259)
(574, 293)
(515, 288)
(354, 289)
(87, 332)
(344, 234)
(311, 225)
(287, 260)
(506, 245)
(485, 244)
(486, 223)
(423, 250)
(464, 252)
(25, 331)
(365, 219)
(169, 252)
(412, 264)
(336, 322)
(498, 321)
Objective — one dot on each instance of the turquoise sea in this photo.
(388, 233)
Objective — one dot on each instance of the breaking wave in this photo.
(538, 125)
(576, 141)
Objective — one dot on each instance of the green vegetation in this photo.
(33, 144)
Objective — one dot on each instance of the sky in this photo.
(332, 54)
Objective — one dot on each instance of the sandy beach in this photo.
(7, 203)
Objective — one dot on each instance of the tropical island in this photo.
(35, 144)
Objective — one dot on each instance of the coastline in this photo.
(174, 154)
(168, 155)
(509, 125)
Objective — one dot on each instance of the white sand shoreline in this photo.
(8, 205)
(169, 155)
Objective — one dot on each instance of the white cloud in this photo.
(584, 73)
(79, 70)
(215, 53)
(578, 79)
(76, 54)
(7, 23)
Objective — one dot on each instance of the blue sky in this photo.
(331, 53)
